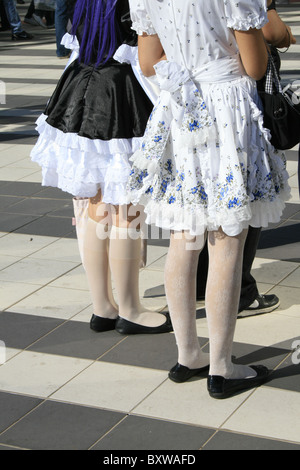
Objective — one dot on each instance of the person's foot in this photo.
(30, 21)
(39, 20)
(219, 387)
(181, 374)
(22, 36)
(262, 304)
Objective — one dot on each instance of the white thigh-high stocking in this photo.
(222, 301)
(125, 258)
(95, 253)
(80, 206)
(180, 284)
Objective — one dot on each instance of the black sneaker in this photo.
(262, 304)
(22, 36)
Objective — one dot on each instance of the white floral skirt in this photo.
(232, 179)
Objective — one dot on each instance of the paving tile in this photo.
(233, 441)
(51, 302)
(36, 271)
(188, 403)
(110, 386)
(152, 351)
(19, 188)
(287, 376)
(75, 279)
(19, 331)
(60, 426)
(140, 433)
(9, 295)
(61, 250)
(7, 201)
(267, 330)
(23, 245)
(50, 226)
(37, 206)
(6, 261)
(272, 271)
(13, 407)
(38, 374)
(268, 412)
(289, 302)
(76, 339)
(11, 222)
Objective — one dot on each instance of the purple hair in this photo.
(95, 22)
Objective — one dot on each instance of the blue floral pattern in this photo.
(212, 164)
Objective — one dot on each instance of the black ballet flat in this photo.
(219, 387)
(101, 324)
(181, 373)
(126, 327)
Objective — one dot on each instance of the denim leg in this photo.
(61, 21)
(13, 16)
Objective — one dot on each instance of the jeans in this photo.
(61, 21)
(13, 16)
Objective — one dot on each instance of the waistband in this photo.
(220, 70)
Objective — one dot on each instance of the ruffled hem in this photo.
(256, 22)
(49, 135)
(82, 166)
(70, 42)
(198, 221)
(140, 29)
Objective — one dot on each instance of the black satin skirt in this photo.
(105, 102)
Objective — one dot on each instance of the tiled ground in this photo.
(63, 386)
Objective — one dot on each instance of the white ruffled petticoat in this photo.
(82, 166)
(206, 160)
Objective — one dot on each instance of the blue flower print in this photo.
(234, 202)
(194, 125)
(169, 166)
(164, 185)
(229, 178)
(172, 200)
(157, 138)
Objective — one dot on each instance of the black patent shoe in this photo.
(219, 387)
(126, 327)
(22, 36)
(181, 373)
(101, 324)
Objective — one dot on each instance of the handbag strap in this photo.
(272, 78)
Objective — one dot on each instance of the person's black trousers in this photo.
(249, 290)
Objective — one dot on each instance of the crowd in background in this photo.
(46, 14)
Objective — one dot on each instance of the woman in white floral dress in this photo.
(206, 165)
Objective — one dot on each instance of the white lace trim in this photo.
(256, 22)
(82, 166)
(170, 217)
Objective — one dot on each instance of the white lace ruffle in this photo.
(82, 166)
(141, 27)
(197, 223)
(70, 42)
(238, 24)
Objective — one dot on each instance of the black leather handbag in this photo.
(281, 109)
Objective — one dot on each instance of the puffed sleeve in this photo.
(141, 21)
(245, 14)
